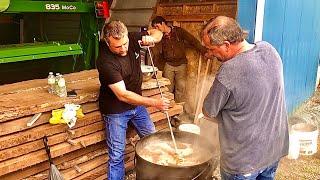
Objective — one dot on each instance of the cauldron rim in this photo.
(206, 161)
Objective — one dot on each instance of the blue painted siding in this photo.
(293, 28)
(247, 15)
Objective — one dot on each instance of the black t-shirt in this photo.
(114, 68)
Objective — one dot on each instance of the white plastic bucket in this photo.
(308, 136)
(294, 146)
(192, 128)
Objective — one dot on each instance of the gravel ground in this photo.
(305, 167)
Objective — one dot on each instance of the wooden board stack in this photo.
(79, 152)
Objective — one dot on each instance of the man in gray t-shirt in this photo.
(247, 100)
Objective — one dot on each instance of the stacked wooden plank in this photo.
(79, 152)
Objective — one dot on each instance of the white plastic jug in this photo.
(69, 114)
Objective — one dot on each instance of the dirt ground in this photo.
(305, 167)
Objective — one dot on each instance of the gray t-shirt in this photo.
(247, 98)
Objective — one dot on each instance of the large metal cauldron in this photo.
(152, 171)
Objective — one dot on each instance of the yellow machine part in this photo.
(4, 4)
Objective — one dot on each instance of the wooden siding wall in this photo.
(293, 27)
(192, 17)
(196, 12)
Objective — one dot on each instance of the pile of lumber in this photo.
(79, 152)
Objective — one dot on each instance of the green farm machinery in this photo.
(38, 36)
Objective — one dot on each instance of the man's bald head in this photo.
(222, 29)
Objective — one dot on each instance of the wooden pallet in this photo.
(79, 152)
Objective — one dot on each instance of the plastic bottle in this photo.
(62, 87)
(51, 83)
(56, 87)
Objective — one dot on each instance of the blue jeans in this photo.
(116, 126)
(265, 174)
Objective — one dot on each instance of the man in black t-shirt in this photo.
(120, 97)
